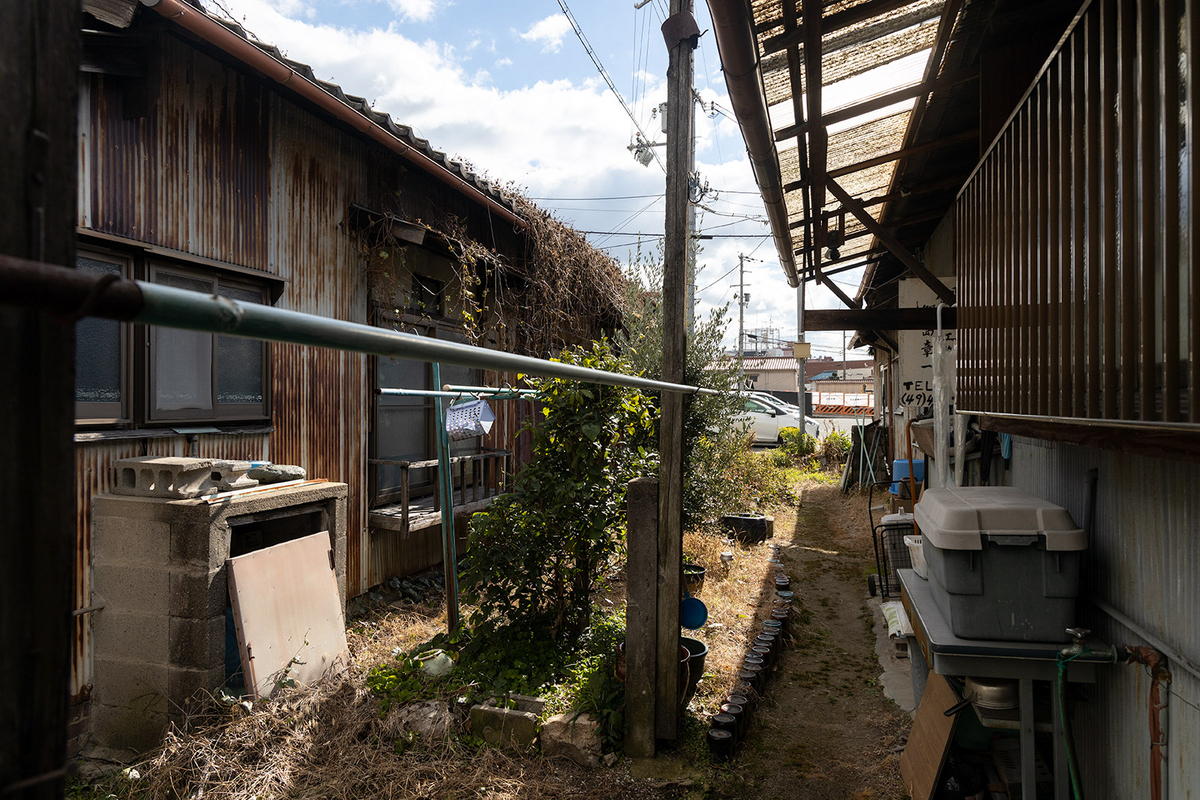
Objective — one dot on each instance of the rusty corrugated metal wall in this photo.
(1144, 561)
(192, 175)
(226, 168)
(320, 402)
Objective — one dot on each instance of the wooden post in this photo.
(670, 474)
(39, 59)
(641, 616)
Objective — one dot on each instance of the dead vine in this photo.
(559, 291)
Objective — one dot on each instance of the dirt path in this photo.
(825, 729)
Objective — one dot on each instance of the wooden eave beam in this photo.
(895, 155)
(818, 142)
(878, 102)
(883, 198)
(794, 66)
(886, 238)
(885, 319)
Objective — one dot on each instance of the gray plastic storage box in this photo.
(1004, 564)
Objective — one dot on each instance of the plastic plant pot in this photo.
(720, 744)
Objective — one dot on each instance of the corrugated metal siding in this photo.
(320, 401)
(94, 475)
(1144, 560)
(192, 175)
(226, 169)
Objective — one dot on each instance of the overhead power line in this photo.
(612, 197)
(698, 236)
(604, 74)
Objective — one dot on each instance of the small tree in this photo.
(712, 442)
(537, 553)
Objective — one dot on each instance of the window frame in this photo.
(136, 408)
(444, 329)
(220, 412)
(87, 413)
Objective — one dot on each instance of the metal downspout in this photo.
(215, 33)
(734, 31)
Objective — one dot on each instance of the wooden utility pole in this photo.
(39, 63)
(681, 35)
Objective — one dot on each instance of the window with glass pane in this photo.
(99, 363)
(202, 376)
(461, 376)
(402, 426)
(240, 361)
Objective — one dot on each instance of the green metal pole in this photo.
(446, 488)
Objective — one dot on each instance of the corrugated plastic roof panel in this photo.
(868, 58)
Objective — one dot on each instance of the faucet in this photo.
(1078, 646)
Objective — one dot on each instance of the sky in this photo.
(510, 88)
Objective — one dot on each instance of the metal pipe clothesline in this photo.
(497, 395)
(76, 294)
(481, 390)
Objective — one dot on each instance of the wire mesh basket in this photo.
(891, 552)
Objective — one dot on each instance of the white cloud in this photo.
(414, 10)
(556, 138)
(549, 32)
(548, 136)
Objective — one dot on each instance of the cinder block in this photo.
(185, 684)
(79, 727)
(198, 643)
(132, 589)
(132, 684)
(504, 727)
(130, 541)
(126, 730)
(130, 637)
(197, 595)
(194, 543)
(115, 505)
(174, 477)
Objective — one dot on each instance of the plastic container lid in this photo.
(959, 518)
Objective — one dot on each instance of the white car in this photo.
(762, 420)
(788, 414)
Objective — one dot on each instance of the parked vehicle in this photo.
(788, 410)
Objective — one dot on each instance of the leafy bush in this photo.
(536, 554)
(759, 481)
(798, 444)
(591, 686)
(836, 447)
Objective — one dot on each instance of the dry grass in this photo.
(328, 741)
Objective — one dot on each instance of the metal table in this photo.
(947, 654)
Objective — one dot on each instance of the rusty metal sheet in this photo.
(288, 614)
(192, 177)
(1143, 560)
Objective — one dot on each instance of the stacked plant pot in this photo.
(731, 723)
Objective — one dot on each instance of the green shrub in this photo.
(536, 554)
(836, 447)
(758, 481)
(797, 444)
